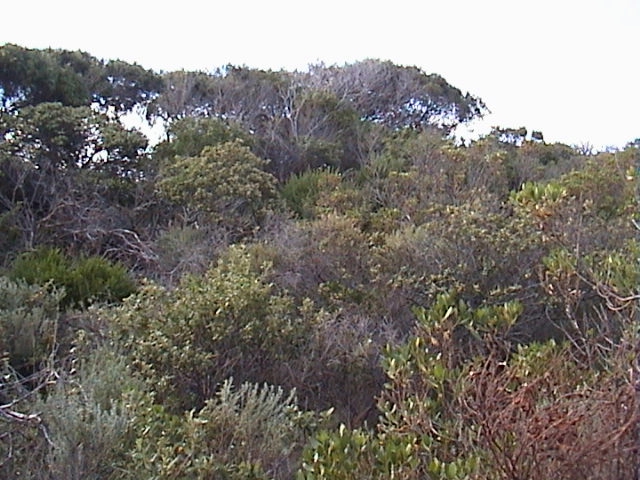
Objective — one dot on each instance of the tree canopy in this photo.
(72, 78)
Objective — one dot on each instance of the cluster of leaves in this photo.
(83, 280)
(463, 403)
(30, 77)
(307, 278)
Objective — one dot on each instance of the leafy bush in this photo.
(248, 431)
(461, 402)
(327, 260)
(302, 191)
(84, 280)
(581, 208)
(490, 256)
(41, 266)
(229, 322)
(190, 135)
(225, 184)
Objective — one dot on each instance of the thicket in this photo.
(308, 278)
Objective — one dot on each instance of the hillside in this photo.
(308, 278)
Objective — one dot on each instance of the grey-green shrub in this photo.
(28, 322)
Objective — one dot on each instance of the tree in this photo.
(30, 77)
(184, 94)
(398, 96)
(67, 174)
(303, 120)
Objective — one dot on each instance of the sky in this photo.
(568, 68)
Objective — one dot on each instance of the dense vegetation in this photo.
(308, 278)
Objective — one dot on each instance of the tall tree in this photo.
(397, 96)
(29, 77)
(307, 119)
(67, 174)
(72, 78)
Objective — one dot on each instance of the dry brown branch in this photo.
(549, 428)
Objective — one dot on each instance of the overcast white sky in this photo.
(570, 68)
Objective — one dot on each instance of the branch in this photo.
(5, 411)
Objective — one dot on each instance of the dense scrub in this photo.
(308, 278)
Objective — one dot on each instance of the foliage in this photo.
(29, 77)
(188, 136)
(87, 417)
(228, 322)
(596, 193)
(28, 323)
(32, 76)
(310, 119)
(69, 176)
(57, 137)
(244, 431)
(464, 309)
(489, 256)
(323, 260)
(450, 411)
(226, 183)
(545, 414)
(399, 96)
(84, 280)
(187, 250)
(79, 428)
(302, 192)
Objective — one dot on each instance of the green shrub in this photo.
(40, 266)
(95, 279)
(491, 256)
(224, 184)
(258, 426)
(84, 280)
(244, 432)
(462, 402)
(87, 416)
(302, 191)
(228, 322)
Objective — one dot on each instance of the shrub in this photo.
(581, 208)
(225, 184)
(95, 279)
(490, 256)
(461, 402)
(326, 260)
(87, 417)
(190, 135)
(228, 322)
(301, 192)
(28, 323)
(40, 266)
(541, 414)
(78, 425)
(84, 280)
(248, 431)
(187, 250)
